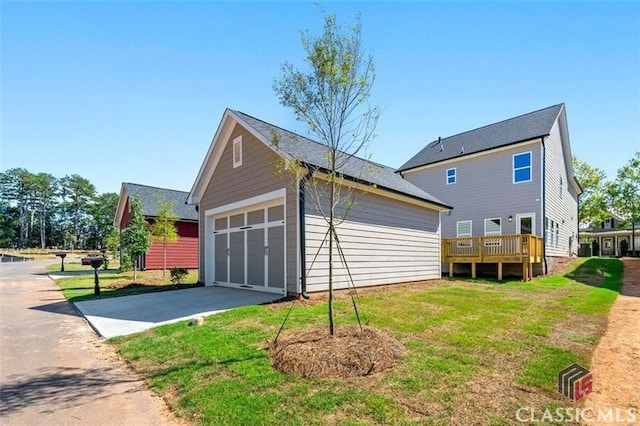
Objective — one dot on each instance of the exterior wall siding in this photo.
(562, 208)
(180, 254)
(484, 189)
(257, 175)
(384, 242)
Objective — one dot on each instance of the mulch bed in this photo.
(312, 352)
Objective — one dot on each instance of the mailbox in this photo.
(95, 263)
(90, 259)
(61, 255)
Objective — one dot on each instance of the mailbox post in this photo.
(95, 263)
(61, 255)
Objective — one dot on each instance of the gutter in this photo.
(365, 184)
(544, 208)
(301, 243)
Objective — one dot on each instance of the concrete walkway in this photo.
(120, 316)
(54, 370)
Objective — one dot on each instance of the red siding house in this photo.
(182, 253)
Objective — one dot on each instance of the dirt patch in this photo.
(562, 265)
(349, 352)
(578, 333)
(616, 359)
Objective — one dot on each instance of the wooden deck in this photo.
(525, 249)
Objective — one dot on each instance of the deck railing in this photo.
(500, 248)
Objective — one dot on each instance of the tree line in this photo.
(601, 197)
(41, 210)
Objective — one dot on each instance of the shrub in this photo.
(125, 262)
(178, 274)
(624, 247)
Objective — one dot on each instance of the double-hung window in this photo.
(522, 167)
(492, 227)
(451, 176)
(463, 230)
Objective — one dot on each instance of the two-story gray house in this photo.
(510, 177)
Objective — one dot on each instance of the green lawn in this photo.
(476, 352)
(77, 282)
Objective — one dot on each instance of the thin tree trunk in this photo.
(32, 216)
(164, 258)
(75, 224)
(331, 194)
(43, 231)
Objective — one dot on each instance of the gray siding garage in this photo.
(258, 231)
(384, 241)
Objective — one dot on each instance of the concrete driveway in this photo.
(119, 316)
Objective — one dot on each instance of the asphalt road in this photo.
(54, 370)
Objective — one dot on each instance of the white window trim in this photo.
(491, 219)
(533, 222)
(470, 222)
(455, 176)
(514, 168)
(237, 162)
(489, 242)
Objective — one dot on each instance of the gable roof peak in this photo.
(308, 152)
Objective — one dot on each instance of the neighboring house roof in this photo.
(608, 233)
(149, 196)
(312, 153)
(514, 130)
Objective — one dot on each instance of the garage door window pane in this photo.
(276, 213)
(237, 220)
(255, 217)
(221, 223)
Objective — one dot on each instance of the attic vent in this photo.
(441, 145)
(462, 150)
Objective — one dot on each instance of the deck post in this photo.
(499, 271)
(473, 269)
(525, 273)
(450, 269)
(530, 271)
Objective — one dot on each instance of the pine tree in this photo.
(136, 237)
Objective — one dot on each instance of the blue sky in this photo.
(134, 91)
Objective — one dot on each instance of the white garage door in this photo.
(249, 248)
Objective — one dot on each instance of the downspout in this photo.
(544, 210)
(301, 243)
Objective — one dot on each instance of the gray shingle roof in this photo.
(315, 154)
(518, 129)
(150, 195)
